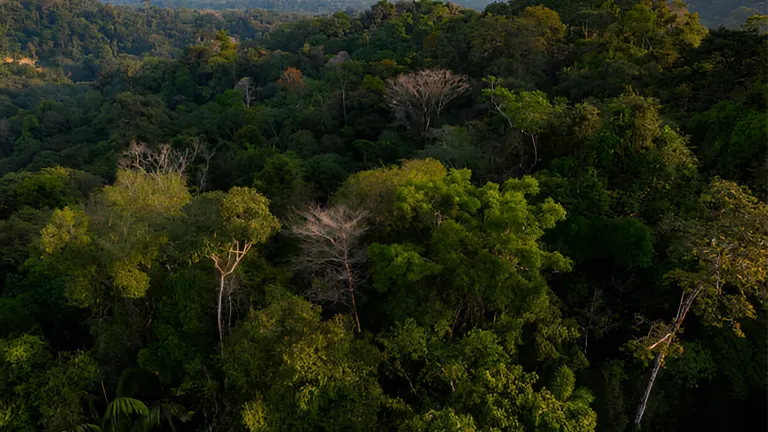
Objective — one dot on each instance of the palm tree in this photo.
(125, 414)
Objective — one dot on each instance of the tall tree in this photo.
(529, 112)
(418, 98)
(225, 226)
(727, 274)
(332, 252)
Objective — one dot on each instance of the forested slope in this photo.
(305, 6)
(416, 218)
(712, 13)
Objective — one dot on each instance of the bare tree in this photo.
(165, 160)
(245, 85)
(332, 252)
(418, 98)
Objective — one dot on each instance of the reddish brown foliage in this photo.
(291, 78)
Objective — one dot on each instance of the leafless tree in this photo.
(245, 85)
(332, 252)
(165, 160)
(418, 98)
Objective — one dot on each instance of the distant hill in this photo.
(305, 6)
(712, 13)
(731, 13)
(96, 34)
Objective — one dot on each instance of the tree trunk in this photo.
(221, 298)
(686, 301)
(344, 104)
(589, 324)
(535, 151)
(648, 388)
(351, 288)
(354, 311)
(229, 312)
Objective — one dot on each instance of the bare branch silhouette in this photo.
(418, 98)
(331, 251)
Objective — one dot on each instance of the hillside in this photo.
(302, 6)
(80, 35)
(417, 217)
(712, 13)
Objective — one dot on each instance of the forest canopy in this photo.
(712, 13)
(409, 216)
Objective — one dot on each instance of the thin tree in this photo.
(231, 223)
(226, 263)
(528, 112)
(343, 73)
(595, 317)
(245, 85)
(418, 98)
(332, 252)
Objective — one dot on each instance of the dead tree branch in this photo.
(332, 253)
(418, 98)
(165, 160)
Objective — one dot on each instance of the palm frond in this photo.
(148, 422)
(120, 410)
(87, 427)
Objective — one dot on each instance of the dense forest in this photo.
(304, 6)
(542, 216)
(712, 13)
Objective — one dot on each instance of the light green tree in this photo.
(294, 371)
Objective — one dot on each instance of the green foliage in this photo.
(119, 412)
(212, 221)
(40, 391)
(295, 371)
(694, 367)
(14, 317)
(528, 111)
(129, 414)
(375, 190)
(182, 331)
(563, 383)
(121, 232)
(726, 246)
(49, 188)
(172, 282)
(482, 253)
(445, 420)
(472, 375)
(282, 181)
(246, 216)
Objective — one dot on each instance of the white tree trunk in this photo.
(648, 388)
(221, 298)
